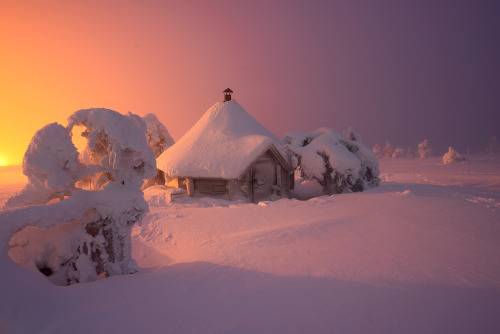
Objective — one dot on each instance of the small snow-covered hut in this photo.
(228, 154)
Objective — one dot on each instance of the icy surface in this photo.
(222, 144)
(418, 254)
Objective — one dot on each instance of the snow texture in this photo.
(424, 150)
(222, 144)
(116, 144)
(88, 232)
(157, 135)
(339, 162)
(418, 254)
(158, 140)
(452, 156)
(57, 238)
(51, 166)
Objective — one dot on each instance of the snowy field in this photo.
(418, 254)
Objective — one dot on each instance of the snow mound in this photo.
(452, 156)
(51, 165)
(88, 232)
(157, 135)
(339, 162)
(222, 144)
(115, 145)
(161, 195)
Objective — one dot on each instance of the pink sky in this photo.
(397, 70)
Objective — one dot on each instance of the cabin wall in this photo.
(264, 180)
(270, 181)
(217, 188)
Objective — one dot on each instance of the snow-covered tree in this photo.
(452, 156)
(51, 166)
(398, 153)
(378, 151)
(95, 225)
(492, 145)
(424, 150)
(387, 150)
(157, 135)
(339, 162)
(158, 140)
(114, 144)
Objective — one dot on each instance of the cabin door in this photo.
(264, 178)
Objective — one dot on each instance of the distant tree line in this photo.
(422, 150)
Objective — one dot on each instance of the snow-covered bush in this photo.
(157, 135)
(92, 227)
(387, 150)
(51, 166)
(398, 153)
(339, 162)
(377, 150)
(117, 144)
(424, 150)
(452, 156)
(158, 140)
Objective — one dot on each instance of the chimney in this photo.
(227, 94)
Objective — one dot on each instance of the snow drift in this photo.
(418, 254)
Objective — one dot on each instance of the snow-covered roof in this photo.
(222, 144)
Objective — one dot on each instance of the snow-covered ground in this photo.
(418, 254)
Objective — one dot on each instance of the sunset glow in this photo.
(293, 66)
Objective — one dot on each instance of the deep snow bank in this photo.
(418, 254)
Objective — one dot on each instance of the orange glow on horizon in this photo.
(59, 59)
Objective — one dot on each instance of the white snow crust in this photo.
(418, 254)
(222, 144)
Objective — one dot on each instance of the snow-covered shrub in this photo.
(117, 144)
(424, 150)
(93, 227)
(398, 153)
(387, 150)
(51, 166)
(157, 135)
(77, 240)
(158, 140)
(339, 162)
(378, 151)
(452, 156)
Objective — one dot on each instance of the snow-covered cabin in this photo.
(228, 154)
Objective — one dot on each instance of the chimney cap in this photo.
(227, 94)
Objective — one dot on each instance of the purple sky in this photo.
(393, 70)
(397, 70)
